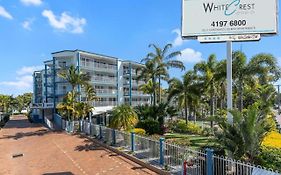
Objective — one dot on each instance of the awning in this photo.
(101, 110)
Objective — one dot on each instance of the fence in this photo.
(173, 158)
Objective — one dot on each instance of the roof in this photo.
(101, 55)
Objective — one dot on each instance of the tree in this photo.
(186, 91)
(23, 101)
(163, 60)
(210, 72)
(263, 67)
(123, 117)
(243, 138)
(147, 88)
(75, 78)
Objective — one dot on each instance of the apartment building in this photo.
(113, 79)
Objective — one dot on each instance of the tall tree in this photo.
(75, 78)
(187, 91)
(163, 60)
(209, 72)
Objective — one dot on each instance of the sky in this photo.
(30, 30)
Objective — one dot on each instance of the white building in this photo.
(113, 79)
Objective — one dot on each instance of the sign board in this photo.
(228, 17)
(234, 38)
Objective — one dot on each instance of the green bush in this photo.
(189, 128)
(208, 132)
(150, 126)
(270, 158)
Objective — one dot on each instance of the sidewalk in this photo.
(49, 153)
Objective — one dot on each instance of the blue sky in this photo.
(32, 29)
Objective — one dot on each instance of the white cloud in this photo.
(27, 24)
(24, 79)
(4, 13)
(178, 40)
(31, 2)
(189, 55)
(28, 70)
(65, 22)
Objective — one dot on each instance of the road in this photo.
(46, 152)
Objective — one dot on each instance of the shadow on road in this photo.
(20, 135)
(59, 173)
(88, 147)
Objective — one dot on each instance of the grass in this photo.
(194, 141)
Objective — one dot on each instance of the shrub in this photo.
(150, 126)
(139, 131)
(270, 158)
(272, 139)
(190, 128)
(180, 141)
(208, 132)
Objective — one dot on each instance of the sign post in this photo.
(229, 81)
(211, 21)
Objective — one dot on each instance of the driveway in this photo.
(46, 152)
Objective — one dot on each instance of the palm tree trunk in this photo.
(159, 81)
(240, 101)
(212, 110)
(185, 108)
(154, 91)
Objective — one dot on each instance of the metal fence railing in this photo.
(173, 158)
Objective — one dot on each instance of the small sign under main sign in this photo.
(223, 38)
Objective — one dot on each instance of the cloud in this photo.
(4, 13)
(31, 2)
(65, 22)
(28, 70)
(27, 24)
(178, 40)
(189, 55)
(24, 79)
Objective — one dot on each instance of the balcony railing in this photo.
(104, 103)
(127, 93)
(104, 80)
(106, 92)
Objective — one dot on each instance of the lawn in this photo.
(193, 141)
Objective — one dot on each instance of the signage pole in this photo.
(229, 81)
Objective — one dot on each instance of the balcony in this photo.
(42, 105)
(104, 103)
(136, 93)
(135, 83)
(104, 80)
(106, 92)
(99, 67)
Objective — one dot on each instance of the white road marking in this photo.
(68, 156)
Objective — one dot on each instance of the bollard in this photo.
(161, 161)
(210, 161)
(100, 132)
(132, 141)
(185, 167)
(113, 137)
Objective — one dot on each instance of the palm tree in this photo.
(262, 66)
(186, 91)
(67, 107)
(148, 73)
(163, 60)
(243, 138)
(147, 88)
(210, 72)
(90, 96)
(123, 117)
(75, 78)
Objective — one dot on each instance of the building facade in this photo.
(114, 80)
